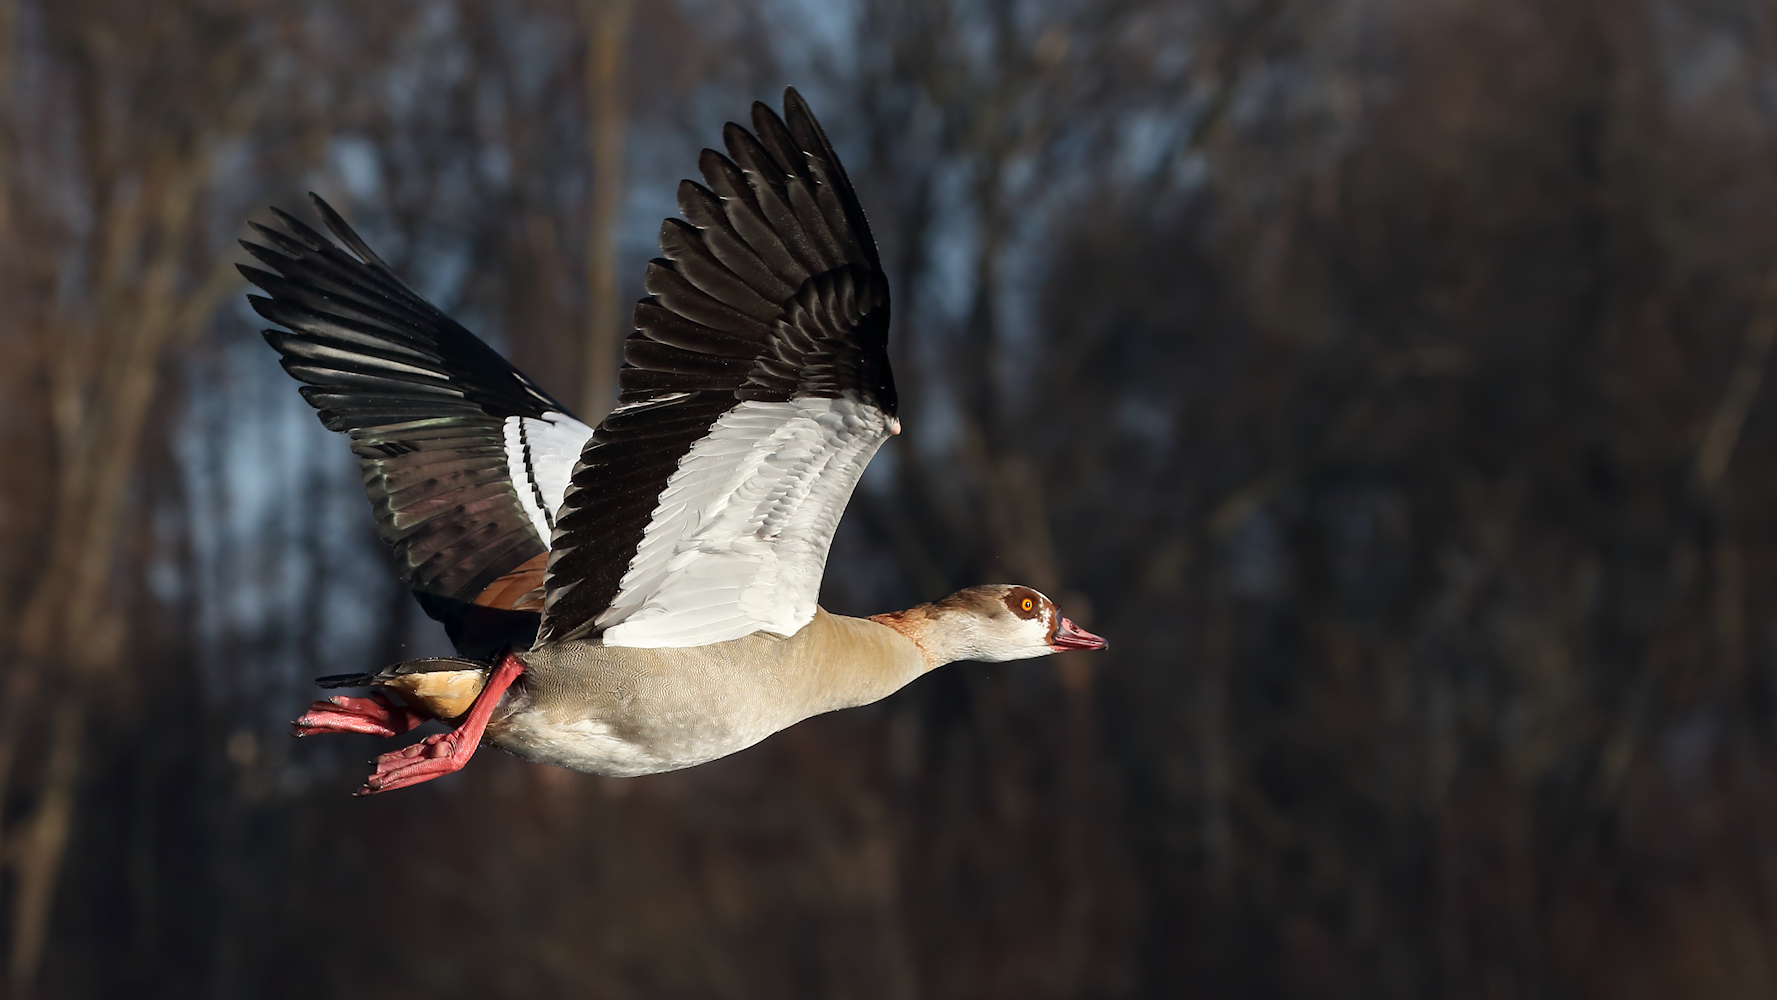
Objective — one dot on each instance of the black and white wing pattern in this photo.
(465, 459)
(755, 389)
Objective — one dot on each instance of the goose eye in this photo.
(1028, 604)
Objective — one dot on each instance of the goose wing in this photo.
(465, 459)
(754, 390)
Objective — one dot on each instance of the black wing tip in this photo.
(796, 106)
(797, 113)
(345, 681)
(332, 219)
(311, 239)
(764, 111)
(715, 165)
(343, 232)
(302, 231)
(734, 133)
(265, 232)
(261, 304)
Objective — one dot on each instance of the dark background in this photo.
(1386, 379)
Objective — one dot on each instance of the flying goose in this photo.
(638, 597)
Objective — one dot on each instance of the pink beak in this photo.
(1071, 636)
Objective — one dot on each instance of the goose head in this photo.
(992, 623)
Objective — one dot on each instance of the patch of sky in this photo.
(437, 20)
(1366, 528)
(1145, 419)
(1698, 60)
(1018, 300)
(71, 276)
(233, 182)
(879, 475)
(232, 477)
(356, 161)
(644, 206)
(1019, 172)
(1303, 91)
(949, 283)
(1033, 20)
(452, 63)
(1764, 93)
(31, 71)
(1146, 141)
(165, 581)
(1255, 555)
(431, 58)
(1171, 59)
(439, 264)
(1190, 169)
(1252, 95)
(975, 37)
(403, 82)
(491, 108)
(539, 44)
(657, 155)
(455, 185)
(939, 421)
(1688, 745)
(811, 33)
(495, 163)
(353, 613)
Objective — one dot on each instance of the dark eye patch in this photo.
(1018, 597)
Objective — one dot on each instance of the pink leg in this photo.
(444, 753)
(375, 715)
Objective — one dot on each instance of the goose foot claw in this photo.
(374, 716)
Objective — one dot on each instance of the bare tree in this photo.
(126, 296)
(1388, 381)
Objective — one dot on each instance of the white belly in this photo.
(596, 746)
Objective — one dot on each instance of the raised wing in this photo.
(755, 389)
(465, 459)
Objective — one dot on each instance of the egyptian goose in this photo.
(639, 597)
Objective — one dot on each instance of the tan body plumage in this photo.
(624, 711)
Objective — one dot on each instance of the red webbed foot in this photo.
(435, 756)
(375, 716)
(444, 753)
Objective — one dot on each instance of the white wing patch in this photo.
(540, 457)
(738, 539)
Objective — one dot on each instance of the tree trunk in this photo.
(607, 23)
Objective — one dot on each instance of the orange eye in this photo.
(1028, 604)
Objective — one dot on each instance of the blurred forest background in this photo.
(1386, 379)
